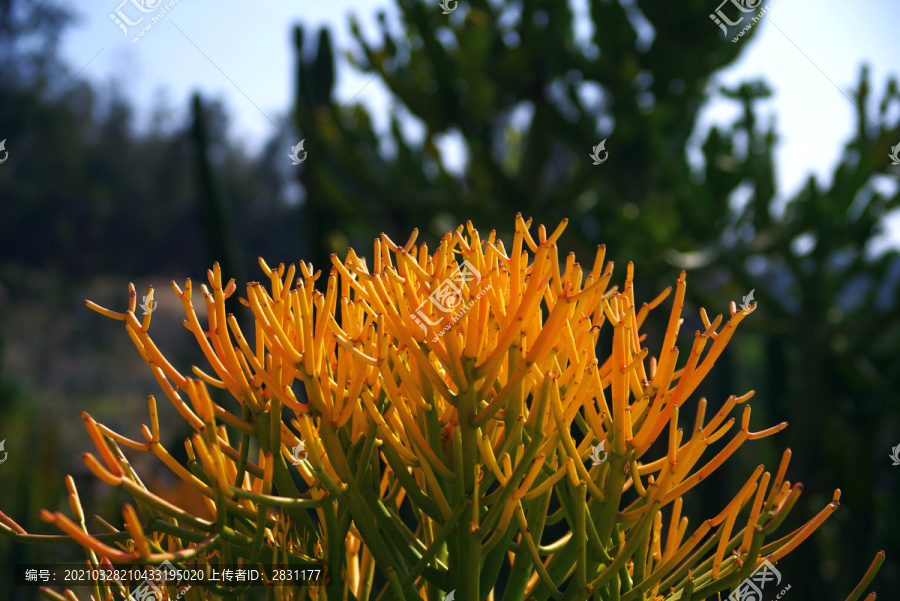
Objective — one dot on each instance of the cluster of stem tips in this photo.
(438, 459)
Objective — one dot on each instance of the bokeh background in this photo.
(761, 164)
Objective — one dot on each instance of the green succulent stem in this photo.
(469, 552)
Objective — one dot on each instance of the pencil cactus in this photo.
(442, 410)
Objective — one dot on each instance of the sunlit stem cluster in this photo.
(434, 455)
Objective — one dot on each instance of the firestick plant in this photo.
(436, 459)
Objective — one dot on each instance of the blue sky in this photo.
(809, 51)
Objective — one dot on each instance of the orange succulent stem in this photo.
(867, 578)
